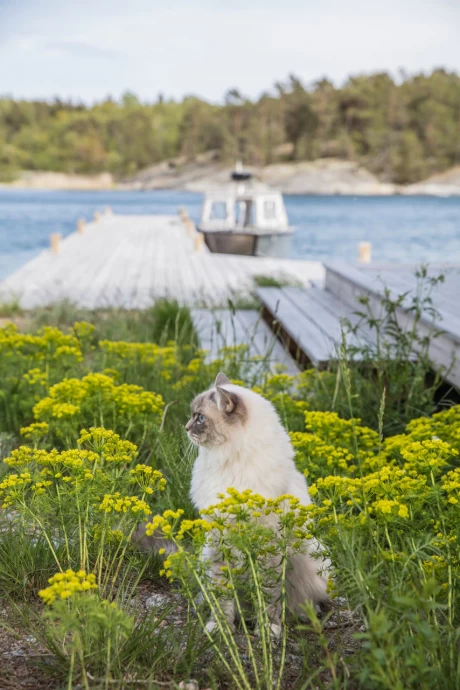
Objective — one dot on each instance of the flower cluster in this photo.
(65, 585)
(35, 431)
(124, 504)
(94, 397)
(108, 444)
(47, 344)
(13, 487)
(243, 523)
(147, 478)
(451, 485)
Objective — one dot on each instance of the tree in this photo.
(299, 117)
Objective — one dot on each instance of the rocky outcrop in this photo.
(178, 173)
(325, 176)
(442, 184)
(30, 179)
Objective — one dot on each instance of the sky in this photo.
(90, 49)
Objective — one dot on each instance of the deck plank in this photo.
(351, 280)
(126, 261)
(266, 342)
(305, 333)
(222, 328)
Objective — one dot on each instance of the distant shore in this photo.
(321, 177)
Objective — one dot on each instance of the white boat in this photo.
(246, 217)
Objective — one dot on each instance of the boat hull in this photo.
(248, 244)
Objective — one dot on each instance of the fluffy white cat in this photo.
(242, 444)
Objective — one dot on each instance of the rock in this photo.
(340, 619)
(31, 639)
(157, 600)
(323, 176)
(446, 183)
(56, 180)
(341, 601)
(189, 685)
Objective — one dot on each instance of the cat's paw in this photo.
(275, 631)
(211, 627)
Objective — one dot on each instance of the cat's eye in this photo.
(200, 418)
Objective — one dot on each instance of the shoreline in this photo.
(127, 189)
(323, 177)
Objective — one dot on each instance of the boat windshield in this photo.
(218, 210)
(244, 213)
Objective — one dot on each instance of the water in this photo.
(401, 229)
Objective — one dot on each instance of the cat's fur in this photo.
(242, 444)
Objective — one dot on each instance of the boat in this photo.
(246, 217)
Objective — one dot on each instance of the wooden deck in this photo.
(129, 261)
(311, 319)
(222, 328)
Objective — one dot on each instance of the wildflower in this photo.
(65, 585)
(124, 504)
(35, 431)
(148, 478)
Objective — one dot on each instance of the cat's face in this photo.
(216, 415)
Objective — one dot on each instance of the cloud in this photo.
(92, 48)
(80, 49)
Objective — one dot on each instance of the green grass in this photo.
(277, 282)
(11, 308)
(164, 320)
(404, 632)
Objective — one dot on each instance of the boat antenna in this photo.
(240, 174)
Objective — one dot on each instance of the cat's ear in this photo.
(221, 379)
(226, 401)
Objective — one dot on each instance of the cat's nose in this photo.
(188, 425)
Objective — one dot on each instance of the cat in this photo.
(242, 444)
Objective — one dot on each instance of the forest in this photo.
(402, 130)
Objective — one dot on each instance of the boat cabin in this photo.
(244, 208)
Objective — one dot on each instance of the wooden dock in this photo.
(310, 320)
(129, 261)
(221, 328)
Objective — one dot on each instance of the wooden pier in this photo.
(129, 261)
(310, 320)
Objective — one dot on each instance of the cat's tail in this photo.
(154, 543)
(306, 580)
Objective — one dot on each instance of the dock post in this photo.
(364, 252)
(55, 240)
(80, 226)
(108, 211)
(198, 241)
(190, 227)
(97, 216)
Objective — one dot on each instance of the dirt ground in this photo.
(23, 661)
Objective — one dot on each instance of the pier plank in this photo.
(127, 261)
(221, 327)
(319, 347)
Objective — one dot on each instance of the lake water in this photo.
(401, 229)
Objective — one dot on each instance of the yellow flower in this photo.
(65, 585)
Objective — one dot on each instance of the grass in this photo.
(280, 281)
(385, 511)
(12, 308)
(164, 320)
